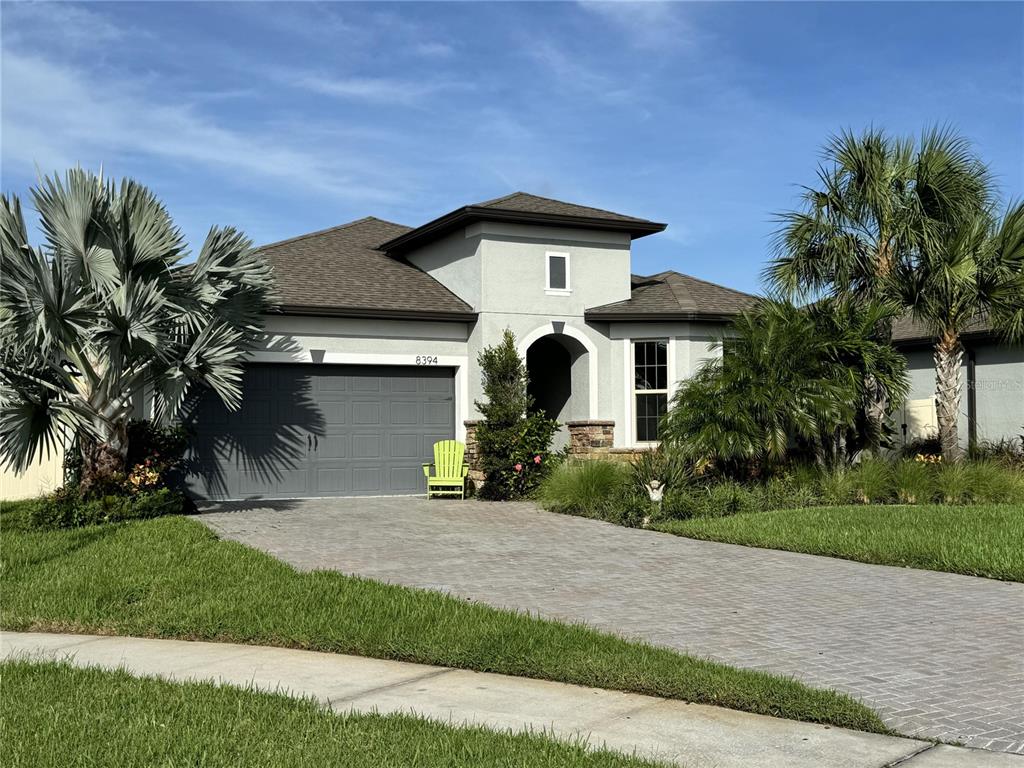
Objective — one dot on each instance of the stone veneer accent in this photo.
(590, 439)
(472, 455)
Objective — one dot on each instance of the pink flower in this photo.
(518, 467)
(536, 459)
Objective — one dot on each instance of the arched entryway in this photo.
(558, 367)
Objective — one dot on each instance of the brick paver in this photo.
(937, 655)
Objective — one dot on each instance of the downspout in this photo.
(972, 401)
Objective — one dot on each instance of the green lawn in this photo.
(54, 714)
(980, 540)
(172, 577)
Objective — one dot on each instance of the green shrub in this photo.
(668, 467)
(836, 486)
(991, 483)
(952, 483)
(872, 481)
(586, 488)
(512, 441)
(913, 481)
(65, 508)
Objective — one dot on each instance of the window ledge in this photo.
(558, 291)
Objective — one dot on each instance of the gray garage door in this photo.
(321, 430)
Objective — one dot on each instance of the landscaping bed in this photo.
(980, 540)
(55, 714)
(172, 577)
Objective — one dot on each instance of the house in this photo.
(991, 378)
(372, 356)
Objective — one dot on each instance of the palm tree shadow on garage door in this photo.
(259, 451)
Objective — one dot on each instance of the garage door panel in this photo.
(373, 428)
(334, 446)
(405, 446)
(406, 478)
(402, 413)
(364, 412)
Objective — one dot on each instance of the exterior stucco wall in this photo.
(46, 474)
(690, 344)
(454, 261)
(999, 389)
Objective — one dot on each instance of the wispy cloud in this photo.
(91, 122)
(433, 49)
(378, 90)
(646, 24)
(74, 24)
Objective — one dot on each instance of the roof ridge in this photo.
(499, 199)
(708, 282)
(329, 229)
(556, 200)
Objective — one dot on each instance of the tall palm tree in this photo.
(104, 311)
(881, 201)
(973, 271)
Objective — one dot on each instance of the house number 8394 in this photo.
(426, 359)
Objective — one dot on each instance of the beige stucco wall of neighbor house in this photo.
(42, 477)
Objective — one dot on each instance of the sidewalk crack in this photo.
(390, 686)
(907, 758)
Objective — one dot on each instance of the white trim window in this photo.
(650, 387)
(556, 274)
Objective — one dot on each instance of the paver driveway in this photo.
(937, 655)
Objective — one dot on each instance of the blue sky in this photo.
(283, 118)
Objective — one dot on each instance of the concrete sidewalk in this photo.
(684, 734)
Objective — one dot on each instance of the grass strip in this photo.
(981, 540)
(172, 577)
(56, 714)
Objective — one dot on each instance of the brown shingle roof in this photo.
(522, 207)
(908, 329)
(527, 203)
(674, 296)
(340, 271)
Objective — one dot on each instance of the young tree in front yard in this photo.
(878, 199)
(104, 310)
(513, 442)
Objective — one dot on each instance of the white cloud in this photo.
(646, 24)
(73, 24)
(55, 116)
(378, 90)
(433, 49)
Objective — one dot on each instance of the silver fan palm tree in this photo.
(105, 311)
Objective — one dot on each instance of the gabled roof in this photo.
(673, 296)
(523, 208)
(340, 271)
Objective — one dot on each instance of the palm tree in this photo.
(747, 408)
(881, 202)
(104, 312)
(974, 271)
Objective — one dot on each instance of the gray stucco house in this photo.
(372, 356)
(991, 378)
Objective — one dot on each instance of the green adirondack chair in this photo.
(450, 471)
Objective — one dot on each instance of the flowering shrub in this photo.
(514, 444)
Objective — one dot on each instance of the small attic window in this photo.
(558, 273)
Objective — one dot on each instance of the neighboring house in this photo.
(992, 379)
(373, 354)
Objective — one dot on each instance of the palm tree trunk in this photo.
(949, 354)
(104, 464)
